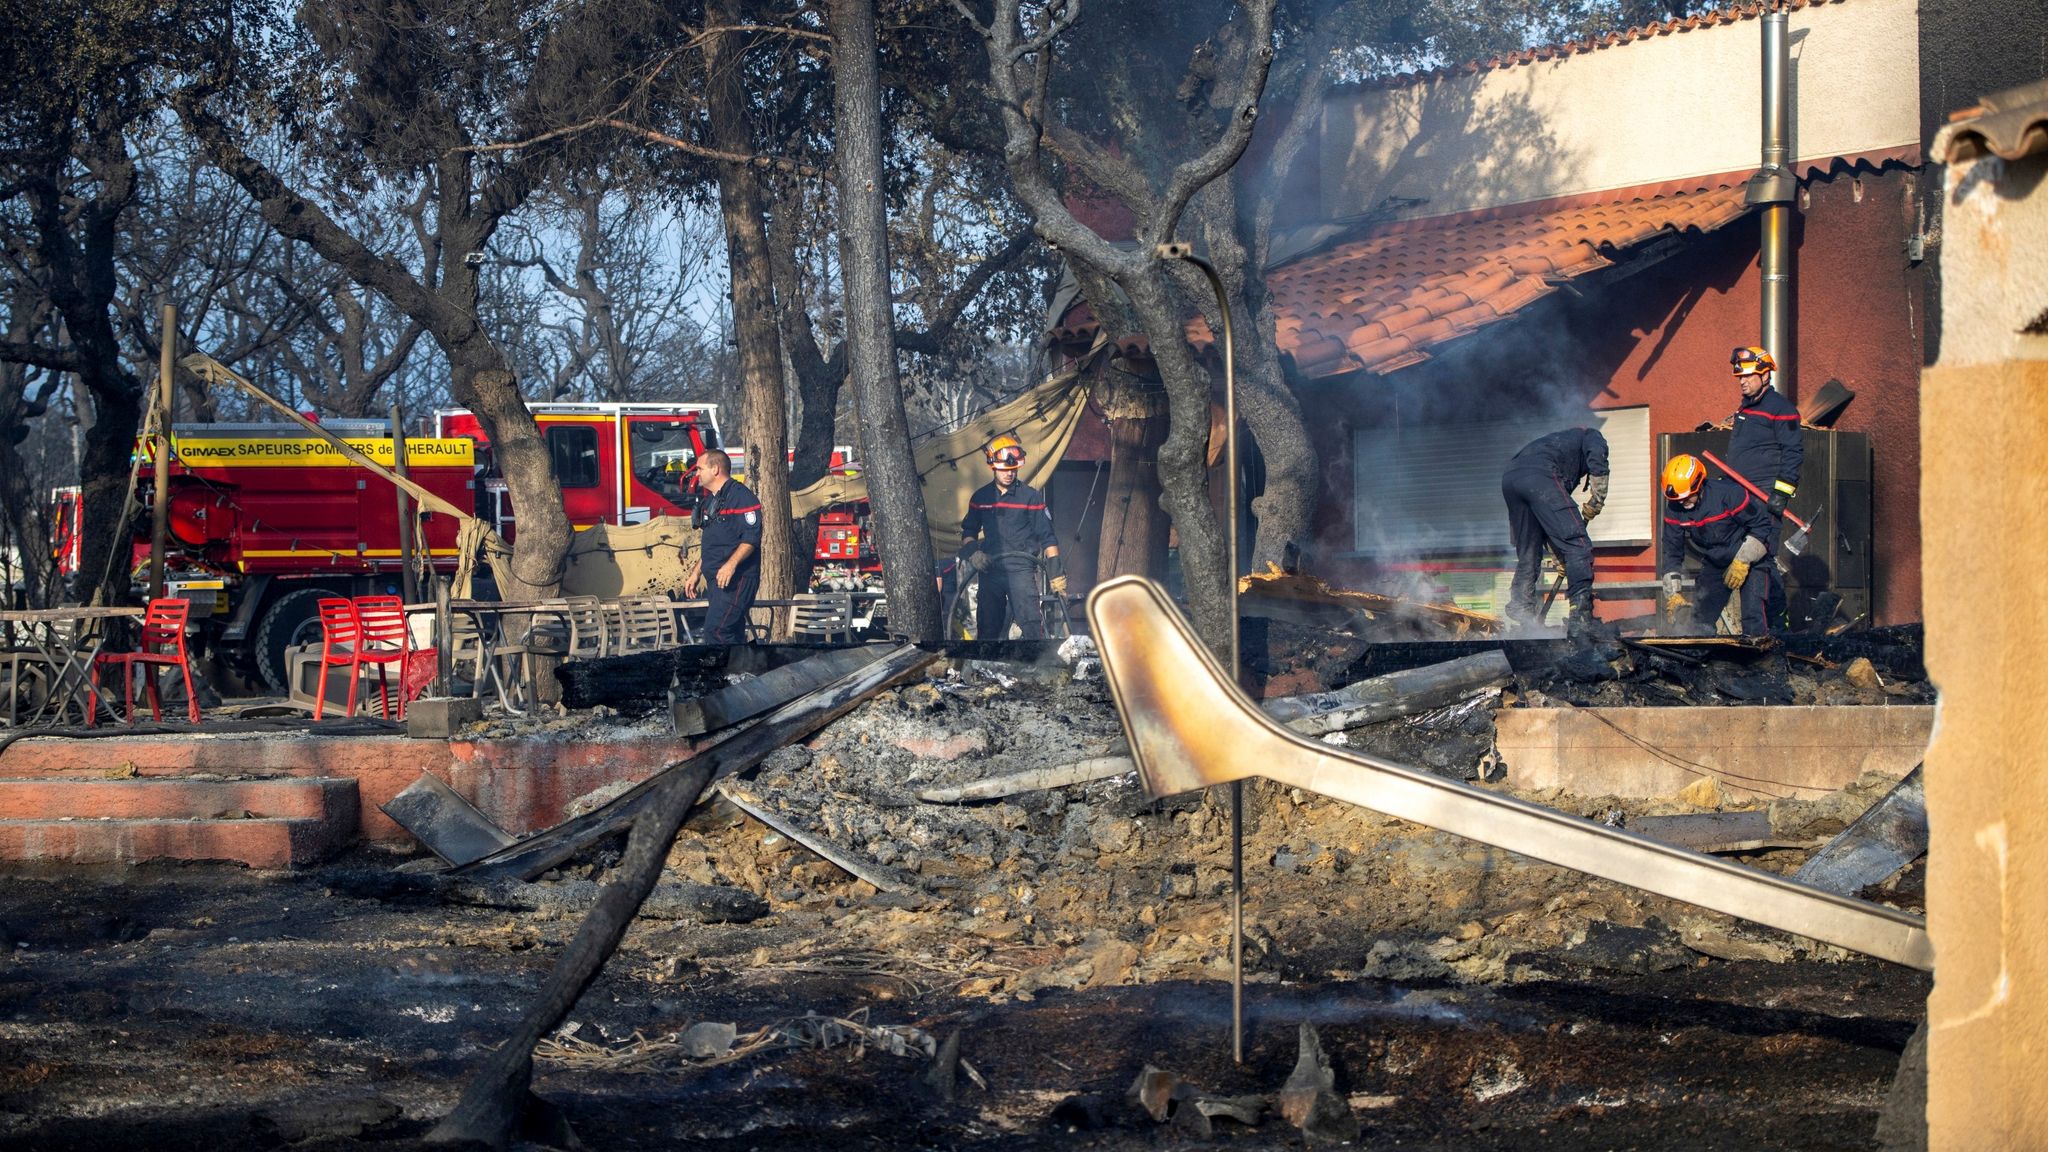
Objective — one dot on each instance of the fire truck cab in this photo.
(617, 463)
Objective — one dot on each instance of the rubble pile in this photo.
(1094, 884)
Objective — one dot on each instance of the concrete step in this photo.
(278, 822)
(262, 842)
(175, 797)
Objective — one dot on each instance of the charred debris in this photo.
(941, 861)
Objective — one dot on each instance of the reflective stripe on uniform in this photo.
(1709, 519)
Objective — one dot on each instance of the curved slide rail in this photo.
(1190, 727)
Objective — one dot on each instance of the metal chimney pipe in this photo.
(1775, 187)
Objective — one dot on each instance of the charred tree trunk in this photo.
(1184, 455)
(903, 539)
(743, 206)
(1019, 67)
(82, 284)
(818, 376)
(1134, 527)
(1285, 511)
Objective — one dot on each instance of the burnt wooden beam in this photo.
(1395, 694)
(696, 715)
(491, 1105)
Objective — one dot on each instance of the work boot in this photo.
(1585, 628)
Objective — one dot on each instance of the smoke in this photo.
(1411, 500)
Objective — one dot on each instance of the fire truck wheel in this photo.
(292, 619)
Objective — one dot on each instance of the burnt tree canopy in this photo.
(459, 101)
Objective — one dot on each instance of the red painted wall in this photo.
(1854, 319)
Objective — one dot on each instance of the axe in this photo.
(1796, 542)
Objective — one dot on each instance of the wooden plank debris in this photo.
(448, 825)
(696, 715)
(1716, 832)
(1037, 779)
(1395, 694)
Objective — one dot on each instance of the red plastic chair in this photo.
(383, 640)
(163, 643)
(339, 640)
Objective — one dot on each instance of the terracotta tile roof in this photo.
(2009, 125)
(1730, 15)
(1382, 299)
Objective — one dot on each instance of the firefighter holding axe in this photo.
(1765, 450)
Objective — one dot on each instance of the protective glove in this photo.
(1737, 572)
(1752, 550)
(1058, 584)
(1674, 598)
(1596, 497)
(975, 559)
(1779, 501)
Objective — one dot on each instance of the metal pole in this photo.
(1774, 259)
(409, 583)
(1182, 252)
(160, 497)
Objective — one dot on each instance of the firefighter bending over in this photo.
(1538, 486)
(1729, 529)
(1006, 527)
(729, 518)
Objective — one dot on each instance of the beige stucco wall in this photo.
(1984, 512)
(1664, 108)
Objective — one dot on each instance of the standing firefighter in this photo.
(1765, 447)
(729, 516)
(1538, 486)
(1730, 530)
(1006, 527)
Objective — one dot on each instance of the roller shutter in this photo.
(1434, 490)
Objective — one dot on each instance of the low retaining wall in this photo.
(522, 785)
(1756, 753)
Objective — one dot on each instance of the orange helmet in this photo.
(1005, 452)
(1751, 361)
(1683, 477)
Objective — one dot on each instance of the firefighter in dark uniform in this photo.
(1766, 448)
(1006, 527)
(1538, 487)
(1730, 530)
(729, 517)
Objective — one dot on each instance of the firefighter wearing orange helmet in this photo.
(1007, 527)
(1765, 446)
(1730, 531)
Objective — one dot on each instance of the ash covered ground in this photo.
(1069, 938)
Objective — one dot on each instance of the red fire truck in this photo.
(275, 518)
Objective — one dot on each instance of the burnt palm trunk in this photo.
(903, 540)
(1134, 527)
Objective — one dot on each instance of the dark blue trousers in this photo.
(1008, 591)
(725, 617)
(1540, 513)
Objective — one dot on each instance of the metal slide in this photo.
(1189, 727)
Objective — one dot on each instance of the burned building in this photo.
(1571, 235)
